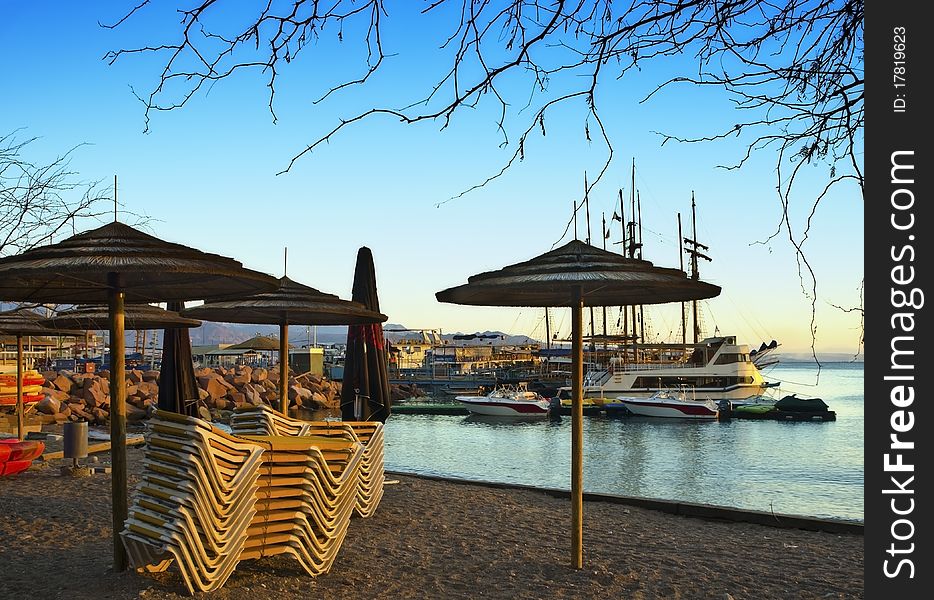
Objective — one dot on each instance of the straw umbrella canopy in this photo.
(20, 322)
(291, 303)
(110, 264)
(578, 275)
(259, 342)
(135, 317)
(365, 362)
(140, 317)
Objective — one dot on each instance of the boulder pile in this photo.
(86, 396)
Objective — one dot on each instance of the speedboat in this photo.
(665, 403)
(507, 401)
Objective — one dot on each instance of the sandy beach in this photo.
(436, 539)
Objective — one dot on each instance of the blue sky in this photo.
(206, 175)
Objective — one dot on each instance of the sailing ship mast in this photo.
(692, 249)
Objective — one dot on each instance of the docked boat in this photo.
(507, 401)
(669, 404)
(716, 368)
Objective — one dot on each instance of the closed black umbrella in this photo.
(365, 370)
(178, 389)
(578, 275)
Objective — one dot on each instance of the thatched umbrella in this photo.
(136, 316)
(575, 275)
(291, 303)
(20, 322)
(175, 371)
(259, 342)
(110, 264)
(365, 362)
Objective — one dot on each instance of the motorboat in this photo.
(666, 403)
(508, 401)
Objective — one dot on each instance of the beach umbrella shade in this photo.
(291, 303)
(577, 275)
(259, 342)
(178, 388)
(111, 264)
(24, 322)
(365, 366)
(177, 376)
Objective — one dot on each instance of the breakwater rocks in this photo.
(86, 397)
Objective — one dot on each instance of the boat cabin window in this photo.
(726, 359)
(698, 382)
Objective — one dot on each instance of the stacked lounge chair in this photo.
(262, 420)
(208, 500)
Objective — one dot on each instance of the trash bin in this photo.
(75, 440)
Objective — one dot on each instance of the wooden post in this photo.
(116, 298)
(284, 368)
(20, 411)
(577, 429)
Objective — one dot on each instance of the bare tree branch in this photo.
(40, 202)
(792, 70)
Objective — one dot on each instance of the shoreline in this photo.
(675, 507)
(437, 539)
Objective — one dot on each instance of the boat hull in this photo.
(672, 410)
(479, 405)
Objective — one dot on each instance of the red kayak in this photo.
(27, 399)
(13, 450)
(13, 467)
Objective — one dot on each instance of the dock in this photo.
(429, 408)
(782, 415)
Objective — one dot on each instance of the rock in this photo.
(94, 397)
(151, 376)
(135, 376)
(216, 388)
(54, 393)
(259, 375)
(135, 414)
(148, 389)
(48, 405)
(63, 383)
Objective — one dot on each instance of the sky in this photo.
(206, 176)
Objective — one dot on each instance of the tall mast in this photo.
(684, 336)
(641, 313)
(633, 245)
(692, 249)
(605, 233)
(624, 312)
(547, 330)
(587, 213)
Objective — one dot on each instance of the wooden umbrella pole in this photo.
(577, 429)
(20, 416)
(284, 368)
(116, 298)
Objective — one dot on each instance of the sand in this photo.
(436, 539)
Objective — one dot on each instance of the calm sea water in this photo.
(808, 468)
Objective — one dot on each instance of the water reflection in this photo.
(804, 468)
